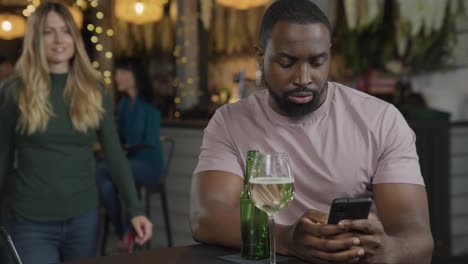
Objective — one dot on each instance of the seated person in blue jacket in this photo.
(138, 126)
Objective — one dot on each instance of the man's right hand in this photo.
(313, 240)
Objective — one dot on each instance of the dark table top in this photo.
(196, 254)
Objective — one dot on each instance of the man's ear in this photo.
(260, 56)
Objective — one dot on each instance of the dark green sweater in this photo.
(55, 176)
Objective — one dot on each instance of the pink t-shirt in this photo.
(352, 141)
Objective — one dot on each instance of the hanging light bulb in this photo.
(12, 26)
(139, 8)
(242, 4)
(6, 25)
(139, 12)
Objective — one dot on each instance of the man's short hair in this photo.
(296, 11)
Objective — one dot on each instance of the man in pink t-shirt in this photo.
(341, 143)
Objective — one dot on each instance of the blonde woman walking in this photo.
(51, 111)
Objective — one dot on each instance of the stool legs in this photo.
(105, 233)
(165, 213)
(148, 211)
(166, 216)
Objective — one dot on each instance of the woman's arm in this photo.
(118, 164)
(121, 174)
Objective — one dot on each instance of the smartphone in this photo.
(349, 208)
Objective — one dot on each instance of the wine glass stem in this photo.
(271, 222)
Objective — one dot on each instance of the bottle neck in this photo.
(248, 167)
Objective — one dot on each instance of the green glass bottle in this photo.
(254, 222)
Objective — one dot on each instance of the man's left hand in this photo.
(375, 242)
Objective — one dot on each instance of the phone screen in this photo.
(349, 208)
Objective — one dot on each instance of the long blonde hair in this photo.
(82, 88)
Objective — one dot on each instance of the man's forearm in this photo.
(220, 224)
(412, 247)
(217, 224)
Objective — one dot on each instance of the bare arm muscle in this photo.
(214, 208)
(404, 213)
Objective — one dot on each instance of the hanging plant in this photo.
(234, 31)
(425, 35)
(356, 37)
(399, 36)
(140, 40)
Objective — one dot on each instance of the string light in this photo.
(31, 8)
(92, 28)
(81, 3)
(94, 39)
(99, 15)
(183, 52)
(176, 52)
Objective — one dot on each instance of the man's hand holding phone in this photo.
(352, 216)
(312, 239)
(357, 235)
(372, 237)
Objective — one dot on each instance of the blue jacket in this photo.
(139, 123)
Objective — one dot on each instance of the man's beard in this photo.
(292, 109)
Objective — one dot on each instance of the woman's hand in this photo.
(143, 228)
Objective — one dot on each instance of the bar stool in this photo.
(160, 188)
(168, 144)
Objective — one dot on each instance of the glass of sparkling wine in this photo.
(271, 188)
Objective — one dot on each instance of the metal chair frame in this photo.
(5, 237)
(149, 190)
(160, 188)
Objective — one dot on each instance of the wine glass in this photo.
(271, 188)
